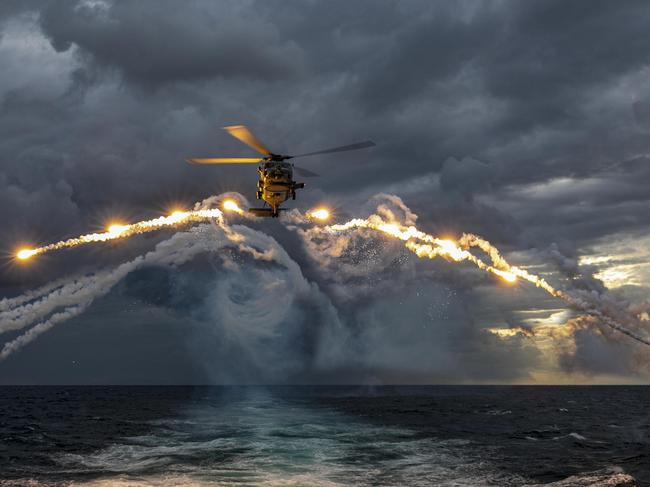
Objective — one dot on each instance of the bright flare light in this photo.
(116, 231)
(507, 276)
(420, 243)
(322, 214)
(425, 245)
(177, 216)
(25, 254)
(231, 205)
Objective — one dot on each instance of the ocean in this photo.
(329, 436)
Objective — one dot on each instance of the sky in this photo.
(527, 123)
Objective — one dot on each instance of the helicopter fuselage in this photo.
(276, 185)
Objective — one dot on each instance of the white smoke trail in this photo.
(21, 311)
(62, 295)
(79, 290)
(76, 295)
(40, 328)
(327, 243)
(10, 303)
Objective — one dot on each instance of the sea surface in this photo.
(329, 436)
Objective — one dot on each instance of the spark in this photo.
(322, 214)
(425, 245)
(420, 243)
(117, 231)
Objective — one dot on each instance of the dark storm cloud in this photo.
(165, 43)
(526, 122)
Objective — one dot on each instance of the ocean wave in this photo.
(604, 478)
(176, 481)
(574, 435)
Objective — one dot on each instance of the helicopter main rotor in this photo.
(243, 134)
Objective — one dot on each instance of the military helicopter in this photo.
(276, 184)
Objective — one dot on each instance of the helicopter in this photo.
(276, 184)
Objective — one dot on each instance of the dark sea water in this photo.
(398, 436)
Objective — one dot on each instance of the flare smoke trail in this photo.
(425, 245)
(39, 308)
(458, 251)
(43, 308)
(77, 294)
(122, 231)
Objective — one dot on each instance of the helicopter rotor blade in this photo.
(343, 148)
(226, 160)
(242, 133)
(305, 173)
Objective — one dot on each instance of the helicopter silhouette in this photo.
(276, 184)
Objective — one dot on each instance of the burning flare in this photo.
(25, 254)
(232, 206)
(418, 242)
(116, 231)
(321, 214)
(425, 245)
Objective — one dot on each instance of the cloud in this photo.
(264, 321)
(524, 123)
(597, 354)
(155, 46)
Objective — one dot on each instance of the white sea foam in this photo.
(271, 443)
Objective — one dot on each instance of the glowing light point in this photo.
(116, 229)
(451, 249)
(25, 254)
(231, 205)
(177, 216)
(321, 214)
(506, 276)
